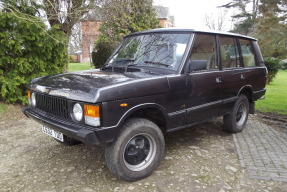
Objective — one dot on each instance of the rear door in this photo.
(234, 77)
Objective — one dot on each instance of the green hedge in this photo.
(273, 66)
(283, 65)
(27, 50)
(104, 51)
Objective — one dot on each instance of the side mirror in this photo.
(195, 65)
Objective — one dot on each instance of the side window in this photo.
(229, 52)
(203, 55)
(248, 53)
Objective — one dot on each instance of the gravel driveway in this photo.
(201, 158)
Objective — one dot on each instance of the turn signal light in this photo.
(29, 94)
(123, 105)
(92, 110)
(92, 115)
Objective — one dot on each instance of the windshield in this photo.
(152, 50)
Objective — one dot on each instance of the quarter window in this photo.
(247, 53)
(229, 52)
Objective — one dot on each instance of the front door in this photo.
(204, 80)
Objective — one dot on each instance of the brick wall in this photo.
(90, 33)
(165, 23)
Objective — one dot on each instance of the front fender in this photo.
(114, 118)
(141, 107)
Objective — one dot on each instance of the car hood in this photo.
(99, 86)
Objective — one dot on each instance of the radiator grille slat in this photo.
(53, 105)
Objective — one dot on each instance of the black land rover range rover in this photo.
(156, 81)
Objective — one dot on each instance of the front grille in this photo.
(53, 105)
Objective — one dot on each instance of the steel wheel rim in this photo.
(241, 114)
(139, 152)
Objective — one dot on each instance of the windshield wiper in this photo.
(105, 67)
(157, 63)
(125, 59)
(131, 65)
(123, 67)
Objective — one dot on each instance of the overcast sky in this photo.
(191, 13)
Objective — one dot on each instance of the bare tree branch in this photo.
(216, 22)
(66, 13)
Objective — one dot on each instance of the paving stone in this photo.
(260, 177)
(278, 179)
(262, 150)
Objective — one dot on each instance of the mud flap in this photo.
(252, 107)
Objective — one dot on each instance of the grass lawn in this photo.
(276, 96)
(79, 66)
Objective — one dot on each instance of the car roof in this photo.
(186, 30)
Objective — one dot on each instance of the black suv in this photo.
(156, 81)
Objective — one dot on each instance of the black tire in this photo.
(68, 141)
(137, 151)
(235, 121)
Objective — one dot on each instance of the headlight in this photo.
(92, 115)
(33, 99)
(77, 112)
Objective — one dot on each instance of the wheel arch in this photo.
(151, 111)
(247, 91)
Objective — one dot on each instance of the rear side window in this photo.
(248, 53)
(229, 52)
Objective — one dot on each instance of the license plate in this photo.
(55, 134)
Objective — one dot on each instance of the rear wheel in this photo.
(236, 120)
(137, 151)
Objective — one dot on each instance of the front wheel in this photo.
(235, 121)
(137, 151)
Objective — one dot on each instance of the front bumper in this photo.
(86, 134)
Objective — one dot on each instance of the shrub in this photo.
(273, 66)
(121, 18)
(27, 50)
(73, 59)
(104, 50)
(283, 65)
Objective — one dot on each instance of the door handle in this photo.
(242, 76)
(218, 79)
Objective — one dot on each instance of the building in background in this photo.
(91, 23)
(164, 17)
(90, 32)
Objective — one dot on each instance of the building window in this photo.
(91, 47)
